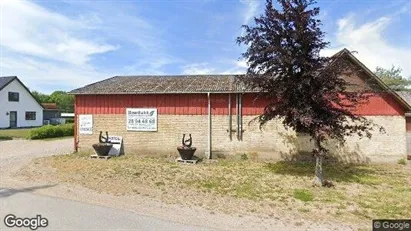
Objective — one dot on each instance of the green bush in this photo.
(50, 131)
(69, 121)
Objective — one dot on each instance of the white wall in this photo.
(26, 103)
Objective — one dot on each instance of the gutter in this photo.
(159, 92)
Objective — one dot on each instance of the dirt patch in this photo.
(242, 187)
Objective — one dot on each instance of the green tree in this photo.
(393, 78)
(305, 90)
(64, 101)
(40, 97)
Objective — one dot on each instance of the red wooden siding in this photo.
(196, 104)
(383, 104)
(253, 106)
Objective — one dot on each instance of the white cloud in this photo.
(46, 77)
(30, 29)
(251, 9)
(226, 67)
(151, 65)
(141, 41)
(198, 69)
(238, 67)
(49, 50)
(368, 40)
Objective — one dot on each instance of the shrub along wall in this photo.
(50, 131)
(69, 121)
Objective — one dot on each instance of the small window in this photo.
(14, 96)
(30, 115)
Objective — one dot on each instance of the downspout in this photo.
(229, 118)
(75, 125)
(240, 112)
(237, 117)
(209, 125)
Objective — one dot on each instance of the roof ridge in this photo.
(224, 83)
(178, 75)
(9, 76)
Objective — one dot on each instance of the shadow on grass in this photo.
(338, 172)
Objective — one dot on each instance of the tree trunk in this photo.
(318, 179)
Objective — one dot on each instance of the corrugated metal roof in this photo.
(163, 84)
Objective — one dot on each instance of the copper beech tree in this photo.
(306, 90)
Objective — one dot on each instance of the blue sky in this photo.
(63, 45)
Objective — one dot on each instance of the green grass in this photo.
(402, 161)
(303, 195)
(362, 174)
(361, 191)
(5, 138)
(8, 134)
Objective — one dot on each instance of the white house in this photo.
(18, 107)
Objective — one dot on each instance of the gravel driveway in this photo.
(21, 198)
(16, 153)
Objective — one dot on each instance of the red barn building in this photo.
(216, 111)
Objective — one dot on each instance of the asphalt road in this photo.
(71, 215)
(62, 214)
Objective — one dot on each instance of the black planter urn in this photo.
(102, 149)
(186, 151)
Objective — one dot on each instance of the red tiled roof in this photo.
(50, 106)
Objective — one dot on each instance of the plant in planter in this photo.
(103, 147)
(186, 151)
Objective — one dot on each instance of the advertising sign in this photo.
(141, 119)
(86, 124)
(117, 142)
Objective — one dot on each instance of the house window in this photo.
(14, 96)
(30, 115)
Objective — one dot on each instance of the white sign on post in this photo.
(86, 124)
(141, 119)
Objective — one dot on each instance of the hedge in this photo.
(69, 121)
(50, 131)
